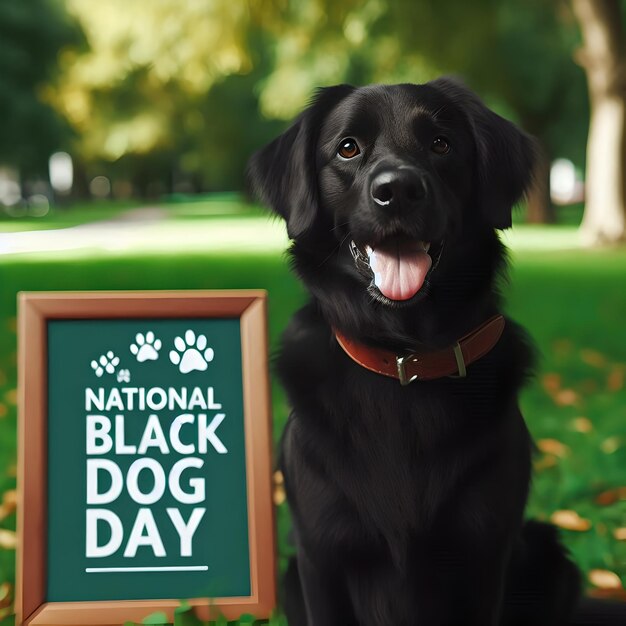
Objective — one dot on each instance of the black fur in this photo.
(407, 502)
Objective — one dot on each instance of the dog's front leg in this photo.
(326, 601)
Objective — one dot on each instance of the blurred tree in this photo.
(517, 53)
(603, 56)
(31, 35)
(166, 94)
(197, 85)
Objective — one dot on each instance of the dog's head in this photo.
(385, 184)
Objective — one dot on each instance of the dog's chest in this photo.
(361, 474)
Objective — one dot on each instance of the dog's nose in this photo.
(402, 187)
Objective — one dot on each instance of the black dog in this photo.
(407, 484)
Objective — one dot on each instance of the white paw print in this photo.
(146, 347)
(106, 363)
(191, 353)
(123, 376)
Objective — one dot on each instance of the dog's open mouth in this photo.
(397, 266)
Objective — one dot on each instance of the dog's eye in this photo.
(348, 148)
(440, 145)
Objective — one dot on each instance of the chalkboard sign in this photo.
(144, 456)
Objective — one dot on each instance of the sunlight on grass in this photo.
(527, 237)
(168, 236)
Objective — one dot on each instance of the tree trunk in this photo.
(539, 206)
(603, 58)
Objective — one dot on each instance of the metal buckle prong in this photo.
(400, 361)
(460, 361)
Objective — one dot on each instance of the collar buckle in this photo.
(460, 362)
(402, 375)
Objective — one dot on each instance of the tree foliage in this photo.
(31, 35)
(187, 89)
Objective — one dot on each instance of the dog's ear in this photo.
(505, 154)
(283, 174)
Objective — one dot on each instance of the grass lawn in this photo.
(572, 301)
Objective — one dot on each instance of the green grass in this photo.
(572, 302)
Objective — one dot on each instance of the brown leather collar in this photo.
(426, 365)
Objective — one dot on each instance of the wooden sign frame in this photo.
(35, 309)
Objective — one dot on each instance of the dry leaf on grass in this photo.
(610, 496)
(582, 424)
(9, 503)
(545, 462)
(620, 533)
(615, 380)
(11, 396)
(6, 595)
(552, 446)
(604, 579)
(279, 495)
(610, 445)
(566, 397)
(593, 358)
(279, 488)
(570, 520)
(551, 382)
(3, 410)
(8, 539)
(608, 594)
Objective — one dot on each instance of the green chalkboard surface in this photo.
(146, 460)
(144, 457)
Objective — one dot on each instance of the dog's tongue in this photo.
(400, 268)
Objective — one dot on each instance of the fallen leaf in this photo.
(545, 462)
(604, 579)
(6, 595)
(279, 495)
(582, 424)
(551, 382)
(9, 502)
(620, 533)
(11, 396)
(615, 380)
(3, 409)
(279, 479)
(8, 539)
(570, 520)
(566, 397)
(593, 358)
(608, 594)
(552, 446)
(610, 496)
(610, 445)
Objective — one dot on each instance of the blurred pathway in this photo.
(156, 230)
(150, 229)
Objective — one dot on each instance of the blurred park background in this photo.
(125, 127)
